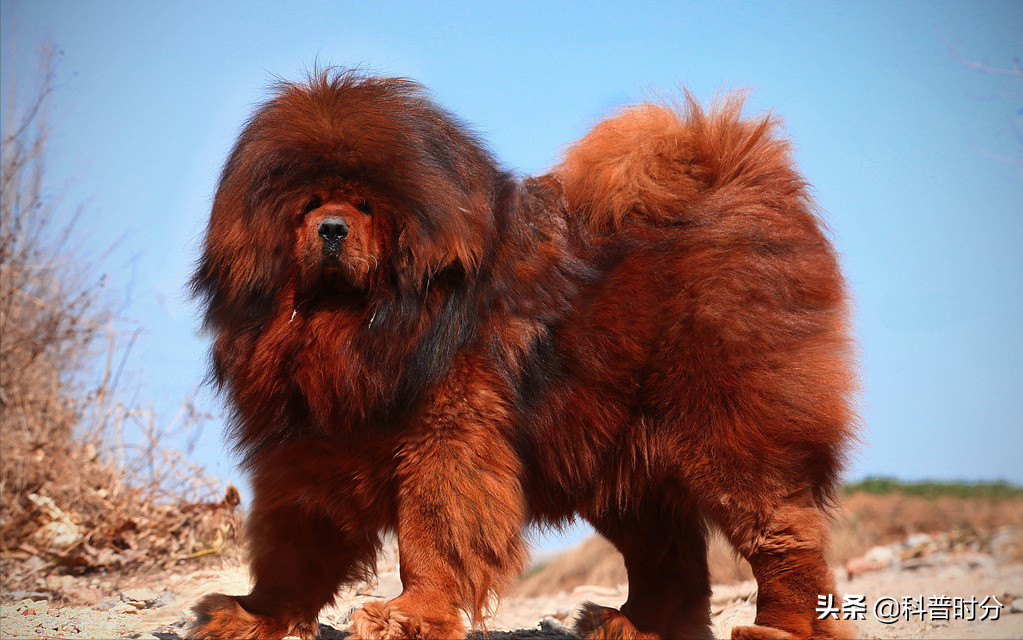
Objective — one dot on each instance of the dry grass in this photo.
(863, 521)
(76, 492)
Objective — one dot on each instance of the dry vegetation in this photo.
(85, 481)
(871, 513)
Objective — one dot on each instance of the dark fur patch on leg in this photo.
(222, 617)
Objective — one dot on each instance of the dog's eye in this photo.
(363, 206)
(312, 205)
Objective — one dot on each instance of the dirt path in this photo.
(157, 608)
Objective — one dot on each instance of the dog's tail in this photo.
(657, 161)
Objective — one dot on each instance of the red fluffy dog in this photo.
(653, 336)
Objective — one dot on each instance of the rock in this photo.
(139, 598)
(33, 607)
(123, 607)
(874, 559)
(1006, 544)
(552, 625)
(882, 556)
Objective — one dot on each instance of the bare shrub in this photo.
(74, 490)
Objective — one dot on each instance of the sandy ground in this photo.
(157, 608)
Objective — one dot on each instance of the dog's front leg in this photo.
(309, 531)
(460, 513)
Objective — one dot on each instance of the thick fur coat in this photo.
(653, 336)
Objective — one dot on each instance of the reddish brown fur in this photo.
(653, 336)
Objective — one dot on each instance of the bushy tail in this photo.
(655, 161)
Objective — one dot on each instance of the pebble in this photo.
(881, 556)
(33, 607)
(139, 598)
(551, 625)
(123, 607)
(166, 599)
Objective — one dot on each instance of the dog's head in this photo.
(343, 184)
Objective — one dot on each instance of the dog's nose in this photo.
(333, 229)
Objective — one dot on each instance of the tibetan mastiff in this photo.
(653, 336)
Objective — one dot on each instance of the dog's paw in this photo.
(757, 632)
(377, 620)
(380, 620)
(595, 622)
(221, 617)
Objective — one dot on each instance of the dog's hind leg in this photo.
(785, 545)
(669, 586)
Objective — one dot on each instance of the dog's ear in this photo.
(447, 233)
(246, 252)
(448, 191)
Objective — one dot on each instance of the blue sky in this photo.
(899, 138)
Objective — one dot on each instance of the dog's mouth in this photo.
(339, 276)
(336, 266)
(331, 252)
